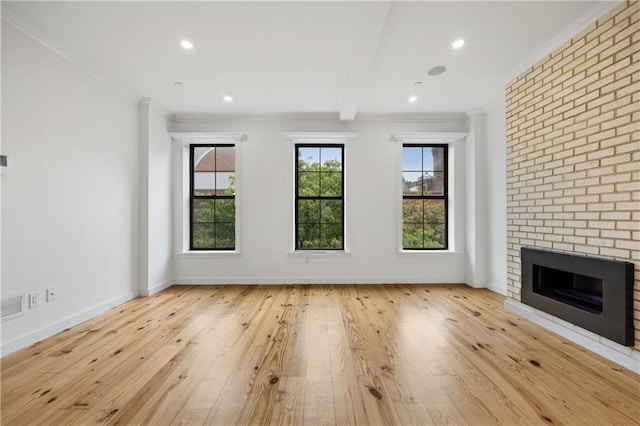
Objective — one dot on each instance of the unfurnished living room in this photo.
(320, 212)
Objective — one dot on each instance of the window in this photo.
(319, 197)
(212, 197)
(424, 197)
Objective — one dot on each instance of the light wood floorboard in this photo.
(314, 355)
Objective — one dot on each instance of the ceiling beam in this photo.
(369, 21)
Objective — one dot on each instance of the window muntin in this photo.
(424, 197)
(319, 197)
(212, 197)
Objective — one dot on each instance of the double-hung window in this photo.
(424, 197)
(212, 197)
(319, 197)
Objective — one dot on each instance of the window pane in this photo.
(225, 210)
(204, 159)
(434, 235)
(225, 235)
(412, 158)
(434, 211)
(203, 211)
(412, 183)
(331, 211)
(331, 184)
(433, 183)
(433, 159)
(225, 159)
(309, 184)
(412, 211)
(204, 183)
(331, 159)
(412, 235)
(308, 211)
(308, 235)
(225, 183)
(203, 235)
(331, 236)
(308, 159)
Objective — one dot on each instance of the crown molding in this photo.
(592, 15)
(439, 117)
(45, 40)
(252, 118)
(426, 117)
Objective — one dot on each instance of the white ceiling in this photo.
(290, 57)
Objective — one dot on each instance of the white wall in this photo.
(69, 195)
(265, 168)
(496, 193)
(160, 225)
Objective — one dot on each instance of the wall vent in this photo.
(13, 306)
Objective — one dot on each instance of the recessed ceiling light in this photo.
(435, 71)
(228, 98)
(178, 83)
(417, 83)
(457, 44)
(186, 44)
(413, 98)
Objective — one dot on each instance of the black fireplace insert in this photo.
(590, 292)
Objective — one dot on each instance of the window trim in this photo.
(316, 138)
(455, 188)
(181, 190)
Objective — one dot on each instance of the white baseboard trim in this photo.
(622, 355)
(32, 337)
(160, 286)
(290, 281)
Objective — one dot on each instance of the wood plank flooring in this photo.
(307, 355)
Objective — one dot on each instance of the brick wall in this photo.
(573, 149)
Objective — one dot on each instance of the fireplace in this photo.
(593, 293)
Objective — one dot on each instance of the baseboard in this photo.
(309, 280)
(160, 286)
(622, 355)
(48, 331)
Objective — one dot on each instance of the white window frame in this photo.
(182, 143)
(337, 138)
(455, 187)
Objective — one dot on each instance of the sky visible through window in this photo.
(312, 155)
(417, 159)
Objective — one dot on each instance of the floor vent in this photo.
(13, 306)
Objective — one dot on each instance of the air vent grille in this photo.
(12, 306)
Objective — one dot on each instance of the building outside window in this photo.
(424, 197)
(212, 197)
(319, 197)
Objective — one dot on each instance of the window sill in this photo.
(207, 254)
(423, 253)
(319, 253)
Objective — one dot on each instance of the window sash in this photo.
(444, 196)
(216, 224)
(320, 198)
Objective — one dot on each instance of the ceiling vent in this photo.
(13, 306)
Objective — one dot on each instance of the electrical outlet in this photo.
(34, 299)
(51, 294)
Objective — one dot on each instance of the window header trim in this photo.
(221, 138)
(319, 137)
(427, 137)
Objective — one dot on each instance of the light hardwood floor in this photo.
(303, 355)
